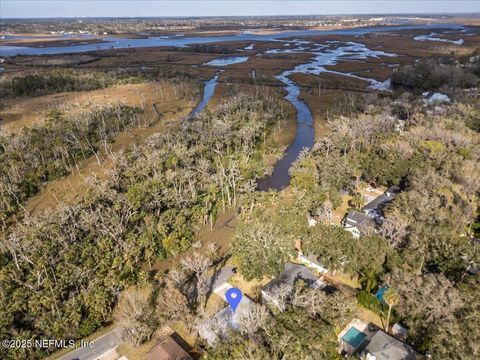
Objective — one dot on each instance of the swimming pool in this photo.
(354, 337)
(381, 293)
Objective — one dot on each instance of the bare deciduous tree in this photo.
(133, 315)
(394, 229)
(279, 296)
(252, 318)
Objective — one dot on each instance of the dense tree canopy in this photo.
(51, 150)
(61, 272)
(305, 329)
(425, 245)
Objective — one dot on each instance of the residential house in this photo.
(366, 340)
(357, 223)
(217, 327)
(289, 276)
(172, 347)
(374, 208)
(385, 347)
(313, 262)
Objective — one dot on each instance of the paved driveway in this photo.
(222, 277)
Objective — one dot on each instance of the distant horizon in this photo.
(54, 9)
(467, 14)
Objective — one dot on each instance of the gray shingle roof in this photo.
(386, 347)
(358, 219)
(378, 202)
(292, 273)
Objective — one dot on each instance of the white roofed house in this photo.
(359, 223)
(218, 326)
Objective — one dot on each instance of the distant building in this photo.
(430, 97)
(172, 347)
(357, 223)
(474, 58)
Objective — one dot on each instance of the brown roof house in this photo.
(169, 348)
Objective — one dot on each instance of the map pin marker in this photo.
(234, 296)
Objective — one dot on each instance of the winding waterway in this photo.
(304, 138)
(208, 91)
(325, 54)
(305, 132)
(432, 37)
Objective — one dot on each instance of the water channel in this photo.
(305, 133)
(208, 91)
(183, 41)
(325, 54)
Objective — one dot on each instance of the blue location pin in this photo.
(234, 296)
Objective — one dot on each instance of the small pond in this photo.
(224, 61)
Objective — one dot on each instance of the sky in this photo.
(128, 8)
